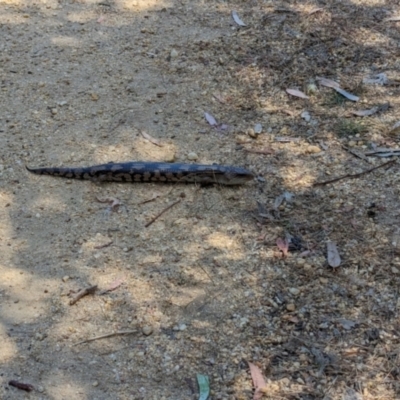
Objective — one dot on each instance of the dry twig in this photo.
(352, 176)
(119, 333)
(161, 213)
(23, 386)
(82, 293)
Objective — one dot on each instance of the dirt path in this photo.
(204, 289)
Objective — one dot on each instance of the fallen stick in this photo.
(352, 176)
(119, 333)
(23, 386)
(161, 213)
(82, 293)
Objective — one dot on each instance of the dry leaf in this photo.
(351, 394)
(210, 119)
(286, 139)
(395, 127)
(236, 18)
(297, 93)
(348, 95)
(333, 255)
(291, 318)
(151, 139)
(392, 19)
(114, 285)
(365, 113)
(219, 97)
(327, 82)
(347, 324)
(265, 151)
(378, 79)
(258, 381)
(283, 246)
(315, 10)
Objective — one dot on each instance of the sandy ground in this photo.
(204, 289)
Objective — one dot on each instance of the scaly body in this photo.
(141, 171)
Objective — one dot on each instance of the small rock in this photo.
(251, 133)
(313, 149)
(39, 336)
(257, 128)
(54, 111)
(395, 270)
(241, 139)
(147, 330)
(65, 278)
(290, 307)
(312, 88)
(294, 291)
(131, 87)
(174, 53)
(192, 156)
(182, 327)
(95, 384)
(323, 280)
(306, 116)
(94, 96)
(352, 143)
(300, 261)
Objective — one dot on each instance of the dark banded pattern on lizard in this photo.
(141, 171)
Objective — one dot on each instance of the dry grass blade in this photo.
(151, 139)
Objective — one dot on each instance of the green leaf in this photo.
(204, 386)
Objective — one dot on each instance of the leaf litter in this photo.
(280, 48)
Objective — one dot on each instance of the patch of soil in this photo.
(205, 288)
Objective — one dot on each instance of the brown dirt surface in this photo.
(227, 275)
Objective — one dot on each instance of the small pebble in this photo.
(395, 270)
(65, 278)
(257, 128)
(241, 139)
(290, 307)
(95, 384)
(294, 291)
(251, 133)
(39, 336)
(307, 266)
(174, 53)
(312, 88)
(313, 149)
(306, 116)
(182, 327)
(147, 330)
(94, 96)
(192, 156)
